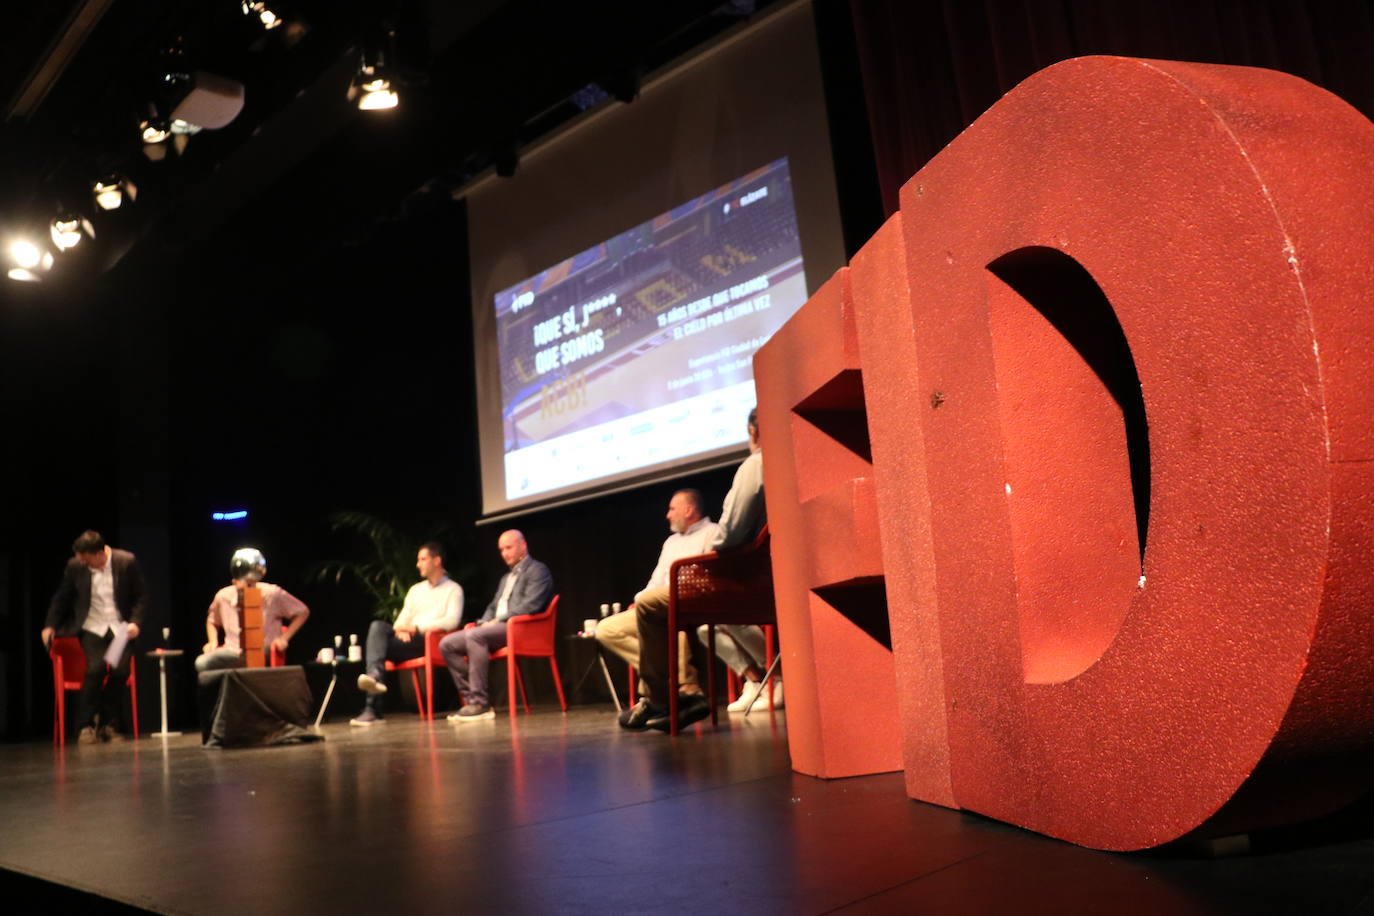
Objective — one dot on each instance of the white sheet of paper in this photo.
(121, 639)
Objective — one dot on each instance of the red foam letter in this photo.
(1115, 356)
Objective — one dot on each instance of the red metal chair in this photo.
(69, 670)
(735, 587)
(530, 636)
(427, 661)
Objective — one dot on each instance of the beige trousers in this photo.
(620, 634)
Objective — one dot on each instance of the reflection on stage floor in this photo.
(566, 813)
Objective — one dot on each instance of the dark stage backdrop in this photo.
(931, 67)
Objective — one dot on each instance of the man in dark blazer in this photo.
(101, 592)
(526, 588)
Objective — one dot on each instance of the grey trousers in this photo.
(467, 653)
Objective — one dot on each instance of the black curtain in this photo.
(931, 67)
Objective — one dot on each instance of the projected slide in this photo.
(638, 351)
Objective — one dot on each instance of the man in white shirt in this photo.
(100, 595)
(692, 534)
(526, 588)
(434, 603)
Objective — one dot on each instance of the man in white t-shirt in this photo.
(692, 534)
(433, 603)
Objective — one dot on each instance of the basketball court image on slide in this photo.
(638, 351)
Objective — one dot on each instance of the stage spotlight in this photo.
(154, 127)
(110, 192)
(68, 230)
(25, 254)
(29, 261)
(372, 90)
(265, 15)
(374, 85)
(155, 130)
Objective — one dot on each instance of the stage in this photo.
(569, 814)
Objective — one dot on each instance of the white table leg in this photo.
(162, 680)
(609, 683)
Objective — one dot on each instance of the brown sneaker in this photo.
(87, 735)
(110, 733)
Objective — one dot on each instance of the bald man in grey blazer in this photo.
(526, 588)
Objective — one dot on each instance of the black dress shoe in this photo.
(690, 708)
(637, 717)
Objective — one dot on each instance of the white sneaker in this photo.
(752, 689)
(369, 684)
(747, 693)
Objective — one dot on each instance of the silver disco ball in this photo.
(248, 563)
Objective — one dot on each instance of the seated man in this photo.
(100, 595)
(742, 520)
(526, 588)
(248, 566)
(743, 648)
(433, 603)
(691, 532)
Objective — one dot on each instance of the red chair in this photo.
(68, 671)
(735, 587)
(427, 661)
(530, 636)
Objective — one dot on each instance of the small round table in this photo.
(162, 655)
(601, 659)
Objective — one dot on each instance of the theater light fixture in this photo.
(374, 86)
(155, 130)
(264, 14)
(28, 261)
(109, 192)
(68, 230)
(372, 89)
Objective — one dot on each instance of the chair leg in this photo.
(429, 689)
(59, 733)
(673, 685)
(520, 681)
(711, 670)
(557, 684)
(133, 690)
(633, 686)
(419, 700)
(510, 686)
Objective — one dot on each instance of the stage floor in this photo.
(568, 814)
